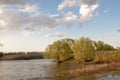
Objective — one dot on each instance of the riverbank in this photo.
(94, 71)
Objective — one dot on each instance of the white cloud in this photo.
(86, 12)
(9, 21)
(25, 33)
(69, 18)
(26, 16)
(30, 8)
(67, 3)
(58, 34)
(15, 14)
(18, 4)
(13, 2)
(55, 15)
(18, 19)
(86, 8)
(8, 4)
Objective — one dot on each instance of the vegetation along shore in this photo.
(98, 57)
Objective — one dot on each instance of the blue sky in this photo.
(31, 25)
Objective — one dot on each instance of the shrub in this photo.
(107, 56)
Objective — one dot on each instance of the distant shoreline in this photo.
(22, 56)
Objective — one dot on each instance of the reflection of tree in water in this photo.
(110, 77)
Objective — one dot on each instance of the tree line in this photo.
(82, 49)
(20, 55)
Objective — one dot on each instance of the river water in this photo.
(41, 69)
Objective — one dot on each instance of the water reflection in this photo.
(27, 69)
(68, 66)
(110, 77)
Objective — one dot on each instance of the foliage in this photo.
(101, 46)
(118, 48)
(83, 49)
(107, 56)
(1, 54)
(60, 50)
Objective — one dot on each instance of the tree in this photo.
(60, 50)
(101, 46)
(83, 49)
(1, 54)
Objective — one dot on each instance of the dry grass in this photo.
(97, 70)
(107, 57)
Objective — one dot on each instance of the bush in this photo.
(107, 56)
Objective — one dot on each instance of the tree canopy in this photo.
(60, 50)
(82, 49)
(101, 46)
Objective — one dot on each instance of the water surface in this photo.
(42, 69)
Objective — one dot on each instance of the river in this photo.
(41, 69)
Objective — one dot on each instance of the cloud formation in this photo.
(13, 2)
(67, 3)
(23, 15)
(86, 8)
(27, 16)
(58, 34)
(69, 18)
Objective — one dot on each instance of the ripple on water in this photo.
(27, 69)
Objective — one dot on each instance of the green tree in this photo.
(101, 46)
(83, 49)
(60, 50)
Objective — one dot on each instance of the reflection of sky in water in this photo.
(110, 77)
(26, 69)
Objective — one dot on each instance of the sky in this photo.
(31, 25)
